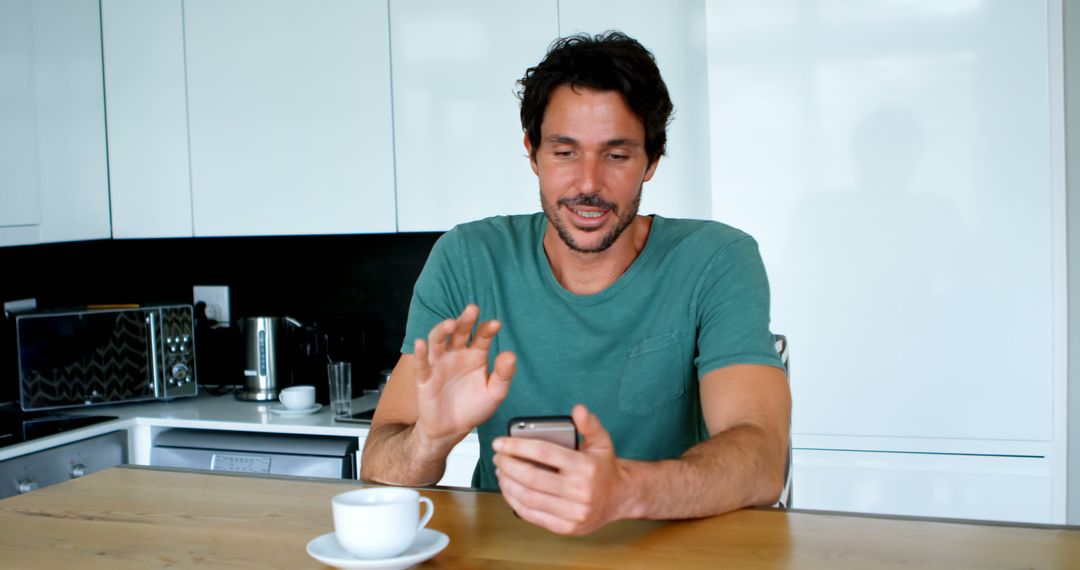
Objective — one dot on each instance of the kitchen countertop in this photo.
(226, 412)
(200, 412)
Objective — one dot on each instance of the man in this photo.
(653, 331)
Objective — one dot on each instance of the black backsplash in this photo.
(356, 288)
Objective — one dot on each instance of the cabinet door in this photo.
(901, 185)
(19, 206)
(72, 171)
(458, 137)
(289, 116)
(676, 37)
(54, 180)
(145, 97)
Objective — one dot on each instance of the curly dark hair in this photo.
(611, 61)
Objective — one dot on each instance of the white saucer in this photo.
(428, 543)
(283, 411)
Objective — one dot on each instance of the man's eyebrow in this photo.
(560, 139)
(622, 142)
(564, 139)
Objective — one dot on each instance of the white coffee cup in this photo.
(379, 522)
(297, 397)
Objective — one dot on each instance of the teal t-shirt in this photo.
(696, 299)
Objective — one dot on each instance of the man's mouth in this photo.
(588, 219)
(589, 211)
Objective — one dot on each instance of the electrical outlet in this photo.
(216, 298)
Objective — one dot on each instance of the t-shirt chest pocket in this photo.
(653, 375)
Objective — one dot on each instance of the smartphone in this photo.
(357, 418)
(556, 429)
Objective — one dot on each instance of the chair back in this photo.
(785, 496)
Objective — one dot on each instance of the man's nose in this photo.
(591, 181)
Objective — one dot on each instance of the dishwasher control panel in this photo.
(240, 463)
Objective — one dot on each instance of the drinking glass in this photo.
(340, 375)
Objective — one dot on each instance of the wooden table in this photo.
(138, 518)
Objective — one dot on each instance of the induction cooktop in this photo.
(17, 426)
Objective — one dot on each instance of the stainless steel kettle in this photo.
(264, 353)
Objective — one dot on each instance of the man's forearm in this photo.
(740, 467)
(395, 454)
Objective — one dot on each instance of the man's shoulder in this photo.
(495, 237)
(498, 226)
(702, 236)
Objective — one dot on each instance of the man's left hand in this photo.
(586, 490)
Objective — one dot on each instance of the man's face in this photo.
(591, 164)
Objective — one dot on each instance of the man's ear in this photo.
(532, 157)
(651, 170)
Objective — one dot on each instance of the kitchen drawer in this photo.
(58, 464)
(1004, 488)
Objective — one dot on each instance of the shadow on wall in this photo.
(355, 287)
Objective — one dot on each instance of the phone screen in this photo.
(357, 418)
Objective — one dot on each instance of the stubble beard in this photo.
(624, 221)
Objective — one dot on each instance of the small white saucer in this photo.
(283, 411)
(327, 550)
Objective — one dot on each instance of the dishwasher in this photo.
(330, 457)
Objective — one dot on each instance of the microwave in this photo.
(93, 357)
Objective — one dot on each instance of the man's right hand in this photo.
(454, 391)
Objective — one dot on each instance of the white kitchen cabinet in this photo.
(904, 184)
(146, 100)
(909, 234)
(676, 37)
(461, 462)
(53, 178)
(457, 131)
(289, 117)
(19, 202)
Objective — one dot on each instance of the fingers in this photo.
(463, 327)
(420, 361)
(543, 509)
(593, 435)
(534, 473)
(499, 380)
(524, 450)
(537, 517)
(437, 339)
(485, 334)
(453, 334)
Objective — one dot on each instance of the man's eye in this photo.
(619, 157)
(562, 153)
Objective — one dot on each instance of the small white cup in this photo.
(379, 522)
(297, 397)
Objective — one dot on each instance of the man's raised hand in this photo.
(455, 392)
